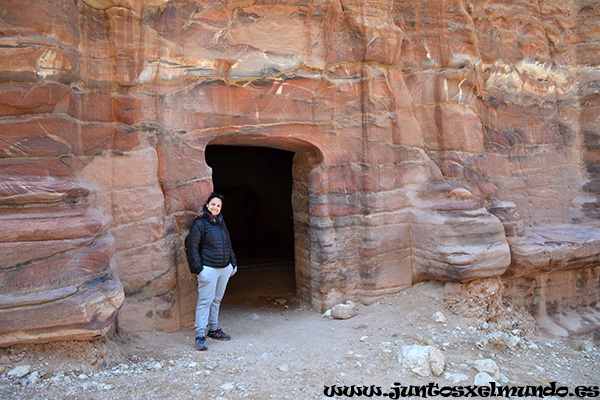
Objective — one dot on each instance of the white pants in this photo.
(211, 288)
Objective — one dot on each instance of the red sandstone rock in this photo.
(443, 140)
(84, 313)
(54, 270)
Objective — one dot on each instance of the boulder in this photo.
(422, 360)
(344, 311)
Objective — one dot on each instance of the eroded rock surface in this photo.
(449, 140)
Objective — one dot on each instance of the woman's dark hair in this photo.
(212, 196)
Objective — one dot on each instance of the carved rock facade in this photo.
(448, 140)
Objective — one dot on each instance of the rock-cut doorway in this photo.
(257, 186)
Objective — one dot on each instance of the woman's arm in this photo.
(192, 247)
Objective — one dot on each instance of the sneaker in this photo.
(201, 343)
(218, 334)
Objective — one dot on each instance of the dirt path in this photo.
(283, 350)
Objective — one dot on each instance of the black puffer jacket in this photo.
(208, 243)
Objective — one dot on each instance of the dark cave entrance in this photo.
(257, 185)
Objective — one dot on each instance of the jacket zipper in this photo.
(223, 241)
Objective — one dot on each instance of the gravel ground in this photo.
(281, 349)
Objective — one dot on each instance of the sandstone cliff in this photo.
(448, 140)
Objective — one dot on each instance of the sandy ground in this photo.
(281, 349)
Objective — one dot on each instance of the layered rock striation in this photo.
(448, 140)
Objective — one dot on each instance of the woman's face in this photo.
(214, 206)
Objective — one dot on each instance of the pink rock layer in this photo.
(444, 140)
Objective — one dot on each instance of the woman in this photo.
(211, 257)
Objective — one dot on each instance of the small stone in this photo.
(228, 386)
(489, 367)
(155, 365)
(494, 340)
(33, 378)
(19, 372)
(284, 367)
(513, 341)
(422, 360)
(439, 317)
(344, 311)
(483, 379)
(456, 378)
(254, 316)
(533, 346)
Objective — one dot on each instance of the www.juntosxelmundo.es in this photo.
(398, 391)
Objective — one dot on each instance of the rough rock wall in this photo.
(448, 140)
